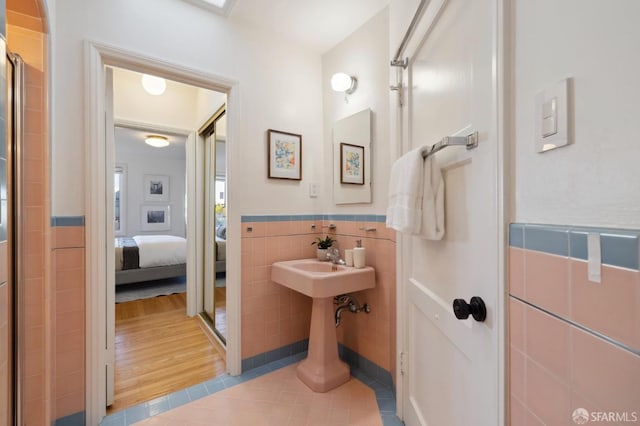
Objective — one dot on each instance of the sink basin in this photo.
(322, 370)
(321, 279)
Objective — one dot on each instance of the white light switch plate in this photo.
(551, 117)
(313, 190)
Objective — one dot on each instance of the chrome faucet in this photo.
(333, 254)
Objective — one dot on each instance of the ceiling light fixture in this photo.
(341, 82)
(154, 85)
(157, 141)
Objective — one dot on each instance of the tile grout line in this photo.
(587, 330)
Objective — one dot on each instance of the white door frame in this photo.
(499, 103)
(96, 221)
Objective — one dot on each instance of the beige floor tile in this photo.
(278, 398)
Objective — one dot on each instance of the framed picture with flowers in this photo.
(285, 155)
(351, 164)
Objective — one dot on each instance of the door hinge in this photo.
(402, 365)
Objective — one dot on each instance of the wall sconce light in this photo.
(341, 82)
(154, 85)
(157, 141)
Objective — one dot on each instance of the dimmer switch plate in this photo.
(551, 120)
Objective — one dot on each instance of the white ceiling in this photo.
(318, 24)
(132, 141)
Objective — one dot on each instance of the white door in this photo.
(452, 368)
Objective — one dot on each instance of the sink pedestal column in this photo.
(323, 370)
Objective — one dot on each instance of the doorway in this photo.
(99, 56)
(151, 276)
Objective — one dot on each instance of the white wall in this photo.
(596, 181)
(207, 103)
(364, 54)
(140, 160)
(279, 87)
(176, 108)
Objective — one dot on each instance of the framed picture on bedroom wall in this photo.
(156, 188)
(155, 218)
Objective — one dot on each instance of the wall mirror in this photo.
(352, 159)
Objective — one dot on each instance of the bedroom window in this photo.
(119, 200)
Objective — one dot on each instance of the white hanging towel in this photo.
(416, 196)
(404, 212)
(432, 201)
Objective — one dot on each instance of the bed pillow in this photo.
(221, 232)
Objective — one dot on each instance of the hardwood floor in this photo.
(159, 350)
(221, 310)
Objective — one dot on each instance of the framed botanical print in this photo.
(285, 155)
(351, 164)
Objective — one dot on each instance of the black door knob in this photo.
(475, 308)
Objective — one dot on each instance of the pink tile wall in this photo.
(38, 321)
(556, 367)
(274, 316)
(372, 335)
(69, 282)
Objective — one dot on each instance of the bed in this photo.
(149, 257)
(221, 249)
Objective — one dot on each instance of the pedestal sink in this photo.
(322, 370)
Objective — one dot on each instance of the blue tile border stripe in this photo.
(548, 239)
(77, 419)
(385, 395)
(355, 360)
(301, 217)
(619, 247)
(349, 356)
(274, 355)
(516, 235)
(67, 221)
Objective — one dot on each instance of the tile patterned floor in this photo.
(268, 395)
(275, 399)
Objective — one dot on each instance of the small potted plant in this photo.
(323, 246)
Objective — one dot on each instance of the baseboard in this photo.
(371, 369)
(354, 359)
(77, 419)
(274, 355)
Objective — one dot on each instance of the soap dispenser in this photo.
(358, 255)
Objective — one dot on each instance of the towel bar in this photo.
(470, 141)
